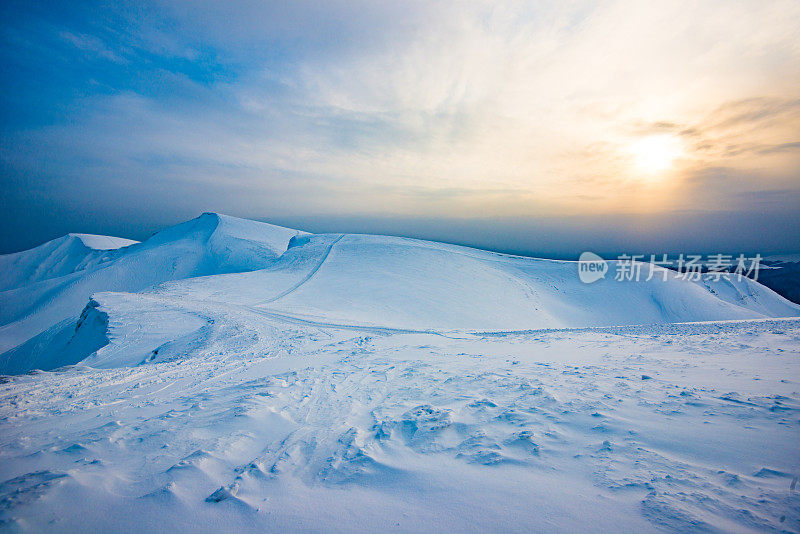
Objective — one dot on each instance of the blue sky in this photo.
(543, 127)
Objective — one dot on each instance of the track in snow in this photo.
(549, 430)
(307, 277)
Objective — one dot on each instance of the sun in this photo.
(656, 153)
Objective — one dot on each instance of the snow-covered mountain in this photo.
(229, 375)
(52, 283)
(345, 280)
(56, 258)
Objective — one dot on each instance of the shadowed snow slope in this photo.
(59, 257)
(215, 265)
(53, 282)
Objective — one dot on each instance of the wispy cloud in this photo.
(507, 108)
(92, 45)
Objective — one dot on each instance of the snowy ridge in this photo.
(210, 244)
(346, 281)
(103, 242)
(59, 257)
(403, 283)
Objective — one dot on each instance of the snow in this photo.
(782, 258)
(103, 242)
(233, 375)
(210, 244)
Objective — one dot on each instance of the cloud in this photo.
(753, 112)
(454, 109)
(92, 45)
(780, 148)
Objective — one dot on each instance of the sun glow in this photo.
(656, 154)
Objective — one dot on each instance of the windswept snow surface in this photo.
(227, 375)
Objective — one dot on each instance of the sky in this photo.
(542, 128)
